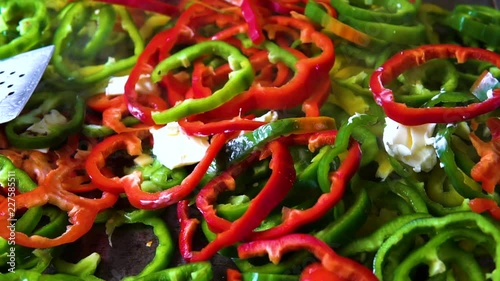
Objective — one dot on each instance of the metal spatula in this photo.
(19, 76)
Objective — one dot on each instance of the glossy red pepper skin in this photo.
(81, 211)
(156, 6)
(344, 268)
(96, 161)
(151, 201)
(407, 59)
(274, 191)
(316, 271)
(296, 90)
(481, 205)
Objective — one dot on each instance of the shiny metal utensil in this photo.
(19, 76)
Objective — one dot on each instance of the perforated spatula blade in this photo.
(19, 76)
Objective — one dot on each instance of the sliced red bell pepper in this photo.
(316, 271)
(481, 205)
(344, 268)
(407, 59)
(486, 170)
(96, 161)
(156, 6)
(218, 127)
(276, 188)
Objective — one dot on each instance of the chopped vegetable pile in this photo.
(291, 139)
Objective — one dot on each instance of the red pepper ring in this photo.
(292, 218)
(407, 59)
(149, 201)
(187, 229)
(345, 268)
(274, 191)
(97, 159)
(81, 211)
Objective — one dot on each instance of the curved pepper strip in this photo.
(22, 275)
(82, 211)
(33, 26)
(253, 17)
(434, 187)
(239, 80)
(458, 178)
(387, 33)
(165, 247)
(196, 271)
(484, 171)
(145, 200)
(96, 160)
(197, 128)
(157, 177)
(113, 108)
(240, 147)
(431, 253)
(35, 259)
(407, 59)
(34, 163)
(274, 191)
(292, 218)
(438, 224)
(160, 44)
(63, 38)
(477, 21)
(481, 205)
(344, 268)
(372, 242)
(41, 104)
(296, 90)
(334, 233)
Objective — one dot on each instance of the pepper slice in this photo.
(484, 171)
(276, 188)
(96, 161)
(476, 21)
(407, 59)
(344, 268)
(75, 18)
(145, 200)
(53, 129)
(239, 80)
(26, 26)
(82, 211)
(385, 268)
